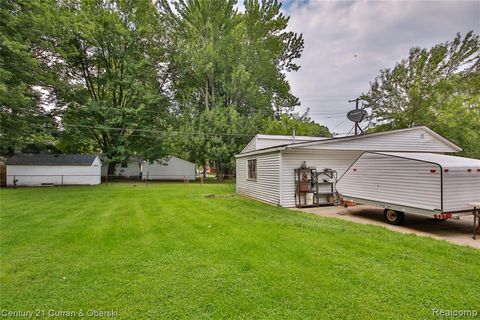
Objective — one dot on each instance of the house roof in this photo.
(440, 159)
(273, 140)
(453, 147)
(52, 159)
(105, 159)
(167, 159)
(377, 134)
(288, 138)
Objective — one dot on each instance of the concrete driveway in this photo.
(455, 231)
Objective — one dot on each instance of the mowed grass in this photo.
(167, 251)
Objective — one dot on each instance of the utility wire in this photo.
(339, 124)
(158, 131)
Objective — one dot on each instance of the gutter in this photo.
(261, 151)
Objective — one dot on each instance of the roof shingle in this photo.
(52, 159)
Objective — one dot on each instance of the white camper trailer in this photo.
(427, 184)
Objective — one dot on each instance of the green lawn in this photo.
(167, 251)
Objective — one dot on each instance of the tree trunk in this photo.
(213, 95)
(206, 96)
(219, 171)
(204, 170)
(111, 168)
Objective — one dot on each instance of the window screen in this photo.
(252, 169)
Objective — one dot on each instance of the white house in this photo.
(53, 169)
(169, 168)
(131, 168)
(265, 168)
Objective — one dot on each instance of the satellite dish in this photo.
(356, 115)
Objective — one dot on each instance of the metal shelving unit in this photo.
(306, 184)
(326, 181)
(313, 188)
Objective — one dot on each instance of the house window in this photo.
(252, 169)
(124, 164)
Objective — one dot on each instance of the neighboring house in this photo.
(169, 168)
(265, 168)
(53, 169)
(131, 168)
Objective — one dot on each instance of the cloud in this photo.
(348, 42)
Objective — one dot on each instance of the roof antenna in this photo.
(356, 115)
(293, 134)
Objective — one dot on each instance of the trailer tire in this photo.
(394, 217)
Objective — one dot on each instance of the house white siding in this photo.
(36, 175)
(336, 154)
(267, 185)
(251, 146)
(416, 140)
(320, 159)
(171, 168)
(132, 170)
(393, 180)
(263, 141)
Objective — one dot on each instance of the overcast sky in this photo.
(348, 42)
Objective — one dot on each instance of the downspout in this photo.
(280, 178)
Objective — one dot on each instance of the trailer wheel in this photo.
(394, 217)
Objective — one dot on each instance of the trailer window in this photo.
(252, 169)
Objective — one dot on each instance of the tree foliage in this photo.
(23, 120)
(197, 78)
(436, 87)
(220, 57)
(227, 65)
(105, 56)
(303, 125)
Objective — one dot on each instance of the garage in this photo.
(53, 169)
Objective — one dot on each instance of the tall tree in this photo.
(214, 137)
(429, 88)
(107, 56)
(303, 125)
(23, 120)
(222, 59)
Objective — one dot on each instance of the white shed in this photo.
(53, 169)
(267, 173)
(169, 168)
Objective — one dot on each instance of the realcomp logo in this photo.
(455, 313)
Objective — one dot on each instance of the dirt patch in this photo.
(451, 230)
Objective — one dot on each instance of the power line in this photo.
(161, 132)
(335, 110)
(350, 131)
(322, 117)
(339, 124)
(346, 97)
(329, 113)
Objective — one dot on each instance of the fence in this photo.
(21, 180)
